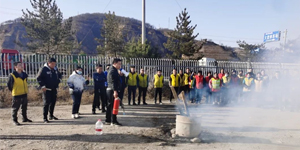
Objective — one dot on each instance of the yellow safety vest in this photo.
(248, 81)
(215, 83)
(132, 79)
(174, 80)
(20, 86)
(186, 79)
(226, 81)
(182, 79)
(143, 81)
(158, 81)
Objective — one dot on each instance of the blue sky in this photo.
(223, 21)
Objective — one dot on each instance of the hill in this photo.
(87, 27)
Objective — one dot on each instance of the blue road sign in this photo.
(272, 36)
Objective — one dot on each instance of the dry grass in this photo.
(5, 97)
(35, 97)
(64, 98)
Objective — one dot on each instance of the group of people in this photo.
(108, 85)
(217, 88)
(48, 79)
(225, 87)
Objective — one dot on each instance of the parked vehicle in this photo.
(8, 57)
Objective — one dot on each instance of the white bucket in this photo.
(188, 126)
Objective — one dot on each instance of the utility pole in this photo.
(285, 36)
(143, 21)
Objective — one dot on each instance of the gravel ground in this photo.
(148, 127)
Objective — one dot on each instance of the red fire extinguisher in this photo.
(116, 106)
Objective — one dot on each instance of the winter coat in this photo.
(99, 80)
(49, 78)
(76, 83)
(113, 79)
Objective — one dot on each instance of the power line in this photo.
(95, 22)
(178, 5)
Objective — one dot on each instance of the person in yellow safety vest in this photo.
(225, 88)
(240, 87)
(132, 84)
(174, 82)
(187, 81)
(248, 86)
(226, 80)
(248, 83)
(17, 84)
(215, 85)
(158, 85)
(182, 79)
(142, 82)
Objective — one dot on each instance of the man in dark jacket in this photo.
(49, 79)
(123, 86)
(17, 84)
(100, 89)
(112, 90)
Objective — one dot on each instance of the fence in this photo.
(66, 64)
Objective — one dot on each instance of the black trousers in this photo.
(158, 91)
(131, 89)
(144, 92)
(100, 93)
(182, 88)
(16, 103)
(76, 102)
(187, 91)
(110, 99)
(121, 94)
(171, 95)
(49, 98)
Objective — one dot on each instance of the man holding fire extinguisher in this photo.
(113, 87)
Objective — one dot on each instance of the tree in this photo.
(181, 40)
(254, 52)
(135, 49)
(112, 41)
(46, 30)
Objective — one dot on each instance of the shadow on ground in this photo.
(106, 138)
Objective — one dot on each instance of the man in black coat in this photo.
(49, 79)
(123, 85)
(112, 90)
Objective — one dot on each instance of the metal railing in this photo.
(67, 63)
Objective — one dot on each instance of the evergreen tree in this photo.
(252, 51)
(112, 41)
(135, 49)
(182, 39)
(47, 31)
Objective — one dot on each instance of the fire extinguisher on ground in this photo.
(116, 106)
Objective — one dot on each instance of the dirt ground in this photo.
(148, 127)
